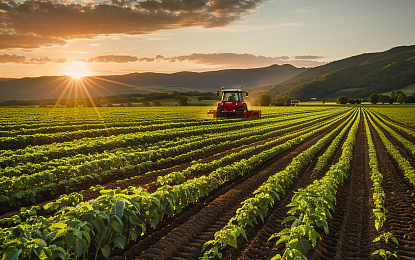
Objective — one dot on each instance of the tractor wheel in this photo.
(243, 107)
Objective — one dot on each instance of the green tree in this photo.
(156, 103)
(374, 98)
(129, 104)
(384, 98)
(288, 101)
(401, 98)
(110, 105)
(279, 101)
(342, 100)
(264, 100)
(146, 103)
(182, 101)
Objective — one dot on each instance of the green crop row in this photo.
(118, 216)
(271, 190)
(403, 116)
(30, 168)
(403, 163)
(22, 141)
(407, 144)
(179, 177)
(378, 195)
(377, 191)
(187, 151)
(394, 124)
(311, 206)
(100, 144)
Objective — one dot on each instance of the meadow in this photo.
(312, 182)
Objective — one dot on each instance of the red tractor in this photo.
(232, 105)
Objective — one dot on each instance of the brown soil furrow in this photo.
(149, 181)
(258, 246)
(182, 240)
(399, 201)
(402, 133)
(351, 230)
(403, 151)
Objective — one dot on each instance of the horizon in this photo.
(157, 72)
(197, 36)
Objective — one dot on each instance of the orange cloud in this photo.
(307, 57)
(25, 41)
(216, 59)
(113, 58)
(51, 23)
(224, 59)
(4, 58)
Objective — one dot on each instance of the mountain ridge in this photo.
(30, 88)
(385, 71)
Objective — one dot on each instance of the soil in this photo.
(351, 227)
(184, 239)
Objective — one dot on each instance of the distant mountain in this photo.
(359, 77)
(54, 87)
(319, 71)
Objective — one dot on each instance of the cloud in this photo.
(307, 57)
(223, 60)
(45, 60)
(234, 60)
(113, 58)
(5, 58)
(231, 59)
(51, 23)
(29, 41)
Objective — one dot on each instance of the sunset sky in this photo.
(39, 38)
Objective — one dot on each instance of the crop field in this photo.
(318, 182)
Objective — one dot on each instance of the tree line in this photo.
(395, 97)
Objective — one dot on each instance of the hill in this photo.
(381, 72)
(53, 87)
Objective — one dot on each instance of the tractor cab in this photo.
(232, 104)
(232, 96)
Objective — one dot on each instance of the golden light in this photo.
(77, 70)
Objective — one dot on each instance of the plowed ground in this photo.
(351, 226)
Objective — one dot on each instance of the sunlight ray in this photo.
(38, 87)
(62, 94)
(119, 83)
(90, 99)
(60, 85)
(99, 85)
(76, 91)
(68, 97)
(86, 81)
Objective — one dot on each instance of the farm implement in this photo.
(232, 105)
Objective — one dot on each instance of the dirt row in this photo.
(184, 239)
(399, 201)
(148, 180)
(352, 229)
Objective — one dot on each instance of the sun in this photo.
(77, 70)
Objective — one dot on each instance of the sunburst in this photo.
(77, 70)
